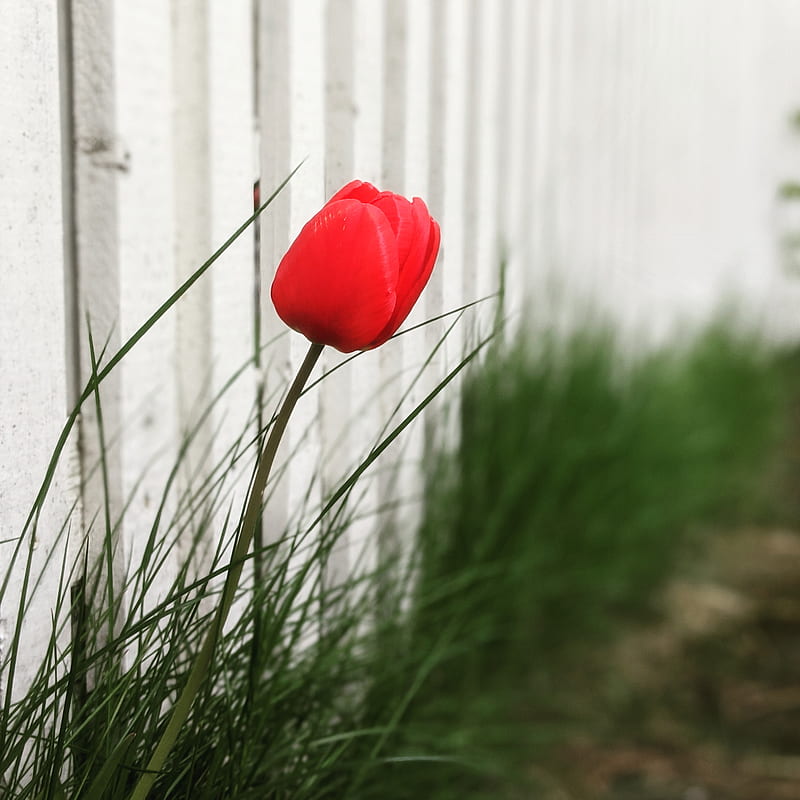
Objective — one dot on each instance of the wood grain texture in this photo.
(147, 252)
(337, 398)
(232, 171)
(100, 157)
(291, 116)
(33, 328)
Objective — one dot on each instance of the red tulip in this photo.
(358, 266)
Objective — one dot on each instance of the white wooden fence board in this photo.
(32, 320)
(421, 79)
(99, 156)
(365, 376)
(391, 355)
(337, 402)
(233, 169)
(306, 141)
(515, 192)
(190, 181)
(404, 170)
(417, 155)
(417, 98)
(468, 127)
(536, 221)
(340, 107)
(433, 297)
(456, 188)
(146, 255)
(415, 66)
(291, 54)
(488, 102)
(456, 183)
(273, 95)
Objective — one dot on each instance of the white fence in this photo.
(627, 150)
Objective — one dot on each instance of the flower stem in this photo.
(247, 530)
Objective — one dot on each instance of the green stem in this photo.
(247, 529)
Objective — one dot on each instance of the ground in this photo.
(702, 703)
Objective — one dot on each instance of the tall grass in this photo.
(576, 476)
(577, 479)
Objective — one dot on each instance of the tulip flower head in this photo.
(356, 269)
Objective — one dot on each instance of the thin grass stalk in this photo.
(247, 530)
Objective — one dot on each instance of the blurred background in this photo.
(607, 523)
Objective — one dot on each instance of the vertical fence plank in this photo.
(337, 401)
(516, 193)
(393, 166)
(535, 240)
(417, 380)
(232, 172)
(450, 173)
(368, 90)
(365, 377)
(307, 141)
(395, 481)
(455, 290)
(143, 70)
(190, 178)
(488, 104)
(340, 110)
(100, 157)
(469, 129)
(32, 323)
(273, 100)
(433, 301)
(212, 178)
(291, 114)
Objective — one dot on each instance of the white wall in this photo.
(661, 135)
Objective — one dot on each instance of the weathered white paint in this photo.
(98, 156)
(146, 261)
(336, 394)
(415, 385)
(291, 116)
(616, 150)
(233, 168)
(33, 397)
(365, 375)
(192, 203)
(488, 104)
(456, 184)
(515, 144)
(433, 299)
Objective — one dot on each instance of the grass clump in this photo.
(577, 480)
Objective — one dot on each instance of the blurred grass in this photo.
(579, 481)
(581, 477)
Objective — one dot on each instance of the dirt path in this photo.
(705, 704)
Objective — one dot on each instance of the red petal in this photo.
(356, 190)
(416, 270)
(401, 217)
(337, 282)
